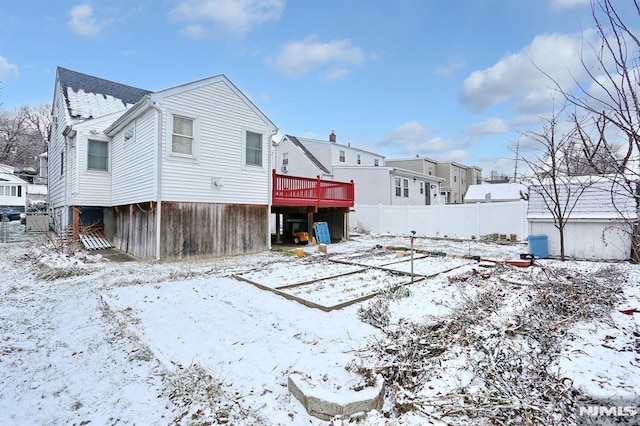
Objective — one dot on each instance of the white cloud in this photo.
(491, 126)
(7, 69)
(334, 74)
(451, 68)
(299, 57)
(412, 138)
(568, 4)
(457, 155)
(215, 18)
(82, 22)
(522, 73)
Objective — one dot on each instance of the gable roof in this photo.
(602, 199)
(499, 192)
(294, 140)
(330, 144)
(149, 99)
(86, 96)
(11, 178)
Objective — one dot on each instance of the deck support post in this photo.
(76, 223)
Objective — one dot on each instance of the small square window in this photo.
(130, 133)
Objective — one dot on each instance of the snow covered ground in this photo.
(84, 340)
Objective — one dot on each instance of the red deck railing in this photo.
(302, 191)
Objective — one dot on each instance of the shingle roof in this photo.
(603, 199)
(91, 97)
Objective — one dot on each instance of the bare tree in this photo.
(552, 162)
(611, 97)
(23, 135)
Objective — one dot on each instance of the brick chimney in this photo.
(332, 136)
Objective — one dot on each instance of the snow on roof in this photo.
(604, 199)
(91, 97)
(5, 168)
(498, 191)
(11, 178)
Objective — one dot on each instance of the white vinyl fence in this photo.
(451, 220)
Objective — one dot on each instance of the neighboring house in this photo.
(313, 157)
(42, 173)
(598, 228)
(180, 172)
(13, 190)
(391, 185)
(493, 193)
(457, 177)
(375, 183)
(36, 194)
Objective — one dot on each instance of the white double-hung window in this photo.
(253, 149)
(183, 136)
(98, 155)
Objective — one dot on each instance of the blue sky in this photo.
(451, 80)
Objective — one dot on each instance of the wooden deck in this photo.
(302, 191)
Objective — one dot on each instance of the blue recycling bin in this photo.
(539, 246)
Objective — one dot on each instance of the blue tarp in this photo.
(322, 233)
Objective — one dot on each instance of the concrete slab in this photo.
(326, 404)
(115, 255)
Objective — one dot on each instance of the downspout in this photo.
(270, 187)
(68, 133)
(158, 179)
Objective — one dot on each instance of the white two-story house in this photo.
(13, 190)
(375, 183)
(176, 173)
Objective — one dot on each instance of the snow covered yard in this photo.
(87, 340)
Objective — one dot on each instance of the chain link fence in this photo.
(12, 231)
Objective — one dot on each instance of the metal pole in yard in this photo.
(413, 234)
(4, 219)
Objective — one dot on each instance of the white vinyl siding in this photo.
(87, 186)
(298, 164)
(223, 119)
(56, 151)
(133, 164)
